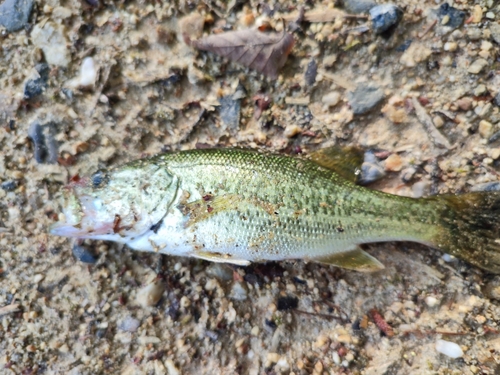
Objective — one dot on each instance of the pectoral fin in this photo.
(345, 161)
(357, 260)
(220, 258)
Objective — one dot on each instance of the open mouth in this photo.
(80, 217)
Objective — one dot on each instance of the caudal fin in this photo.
(470, 228)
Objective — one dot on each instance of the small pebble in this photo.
(485, 128)
(50, 37)
(238, 291)
(496, 100)
(407, 174)
(14, 14)
(448, 258)
(364, 98)
(492, 288)
(287, 303)
(477, 14)
(358, 6)
(486, 186)
(220, 271)
(477, 66)
(464, 103)
(450, 46)
(292, 130)
(84, 255)
(129, 324)
(438, 121)
(331, 99)
(230, 111)
(311, 72)
(449, 349)
(336, 358)
(88, 72)
(151, 294)
(431, 301)
(480, 90)
(9, 185)
(37, 86)
(450, 17)
(393, 163)
(385, 17)
(370, 172)
(495, 31)
(45, 144)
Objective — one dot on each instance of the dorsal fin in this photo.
(357, 260)
(345, 161)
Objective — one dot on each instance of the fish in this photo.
(241, 206)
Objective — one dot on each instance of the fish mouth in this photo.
(78, 217)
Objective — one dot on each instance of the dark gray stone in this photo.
(457, 16)
(84, 255)
(9, 185)
(496, 99)
(46, 146)
(311, 73)
(364, 98)
(230, 108)
(385, 17)
(486, 186)
(14, 14)
(358, 6)
(495, 31)
(370, 172)
(37, 86)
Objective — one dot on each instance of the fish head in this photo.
(118, 204)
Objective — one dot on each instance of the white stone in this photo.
(88, 72)
(431, 301)
(51, 39)
(331, 99)
(449, 349)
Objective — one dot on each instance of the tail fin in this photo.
(470, 228)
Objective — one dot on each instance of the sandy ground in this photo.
(146, 91)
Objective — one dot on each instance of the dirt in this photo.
(435, 131)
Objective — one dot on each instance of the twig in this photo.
(427, 29)
(325, 316)
(9, 309)
(437, 138)
(322, 15)
(338, 80)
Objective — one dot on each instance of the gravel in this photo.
(149, 92)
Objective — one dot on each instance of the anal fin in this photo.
(357, 260)
(220, 258)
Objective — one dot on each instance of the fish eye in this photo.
(99, 178)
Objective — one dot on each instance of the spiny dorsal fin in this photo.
(345, 161)
(357, 260)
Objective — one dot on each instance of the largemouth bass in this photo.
(241, 206)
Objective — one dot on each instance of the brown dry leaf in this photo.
(263, 52)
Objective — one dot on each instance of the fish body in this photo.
(242, 206)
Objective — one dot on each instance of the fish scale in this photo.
(324, 200)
